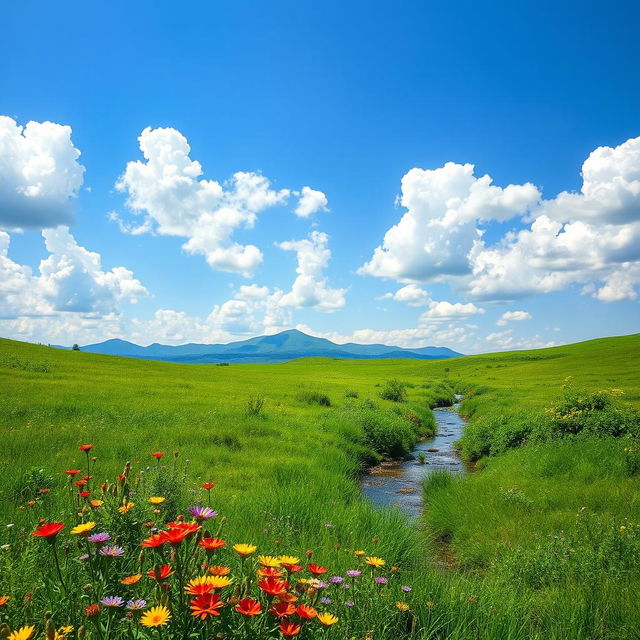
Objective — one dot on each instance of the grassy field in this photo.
(287, 480)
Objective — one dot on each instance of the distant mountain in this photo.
(279, 347)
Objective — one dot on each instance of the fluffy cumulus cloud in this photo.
(504, 340)
(310, 288)
(39, 174)
(310, 202)
(444, 310)
(70, 295)
(513, 316)
(590, 238)
(169, 193)
(411, 294)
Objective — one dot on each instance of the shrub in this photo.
(351, 393)
(314, 397)
(394, 390)
(255, 404)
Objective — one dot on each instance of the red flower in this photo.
(189, 527)
(87, 477)
(50, 530)
(308, 553)
(84, 494)
(206, 605)
(152, 542)
(86, 447)
(177, 533)
(208, 486)
(92, 611)
(157, 455)
(292, 568)
(289, 629)
(80, 483)
(211, 544)
(161, 573)
(249, 607)
(273, 586)
(269, 572)
(282, 609)
(317, 569)
(305, 611)
(72, 472)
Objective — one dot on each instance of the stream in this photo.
(398, 483)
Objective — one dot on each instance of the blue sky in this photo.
(378, 109)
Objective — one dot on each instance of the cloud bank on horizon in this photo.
(589, 240)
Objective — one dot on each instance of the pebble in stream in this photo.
(400, 483)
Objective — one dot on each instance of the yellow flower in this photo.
(156, 617)
(402, 606)
(24, 633)
(125, 508)
(219, 582)
(288, 560)
(83, 529)
(429, 604)
(96, 503)
(156, 500)
(244, 549)
(327, 619)
(269, 561)
(374, 561)
(359, 553)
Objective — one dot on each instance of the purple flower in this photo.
(112, 551)
(99, 538)
(354, 573)
(322, 585)
(406, 588)
(84, 557)
(381, 580)
(349, 604)
(337, 579)
(202, 513)
(136, 605)
(325, 601)
(112, 601)
(345, 586)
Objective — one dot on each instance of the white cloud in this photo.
(513, 316)
(39, 174)
(504, 340)
(168, 191)
(443, 310)
(310, 202)
(411, 294)
(310, 288)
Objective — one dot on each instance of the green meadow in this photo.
(541, 540)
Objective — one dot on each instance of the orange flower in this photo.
(156, 540)
(285, 596)
(269, 572)
(305, 611)
(4, 600)
(92, 611)
(161, 572)
(174, 536)
(72, 472)
(206, 605)
(131, 579)
(317, 569)
(282, 610)
(218, 570)
(86, 447)
(211, 544)
(249, 607)
(195, 588)
(292, 568)
(50, 530)
(273, 586)
(289, 629)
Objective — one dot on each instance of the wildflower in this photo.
(208, 486)
(354, 573)
(373, 561)
(129, 580)
(337, 579)
(156, 500)
(125, 508)
(402, 606)
(288, 560)
(429, 604)
(50, 530)
(157, 455)
(282, 610)
(249, 607)
(269, 572)
(80, 483)
(293, 568)
(381, 580)
(289, 629)
(156, 617)
(112, 551)
(86, 447)
(218, 570)
(218, 582)
(174, 536)
(206, 605)
(84, 494)
(24, 633)
(406, 588)
(325, 601)
(112, 601)
(305, 611)
(83, 529)
(44, 491)
(317, 569)
(394, 569)
(327, 619)
(72, 472)
(99, 538)
(4, 600)
(273, 586)
(244, 549)
(92, 611)
(156, 540)
(198, 586)
(161, 572)
(96, 503)
(349, 604)
(359, 553)
(202, 513)
(136, 605)
(211, 544)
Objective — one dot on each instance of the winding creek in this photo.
(399, 483)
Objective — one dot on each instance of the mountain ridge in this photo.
(274, 348)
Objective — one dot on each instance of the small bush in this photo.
(394, 390)
(255, 404)
(351, 393)
(314, 397)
